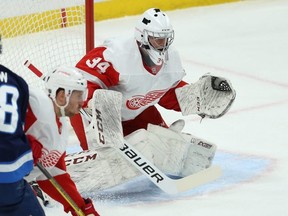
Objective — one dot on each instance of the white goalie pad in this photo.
(167, 153)
(105, 166)
(210, 96)
(173, 152)
(199, 153)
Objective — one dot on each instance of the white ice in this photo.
(246, 42)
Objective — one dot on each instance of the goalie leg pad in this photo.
(200, 154)
(199, 150)
(167, 153)
(194, 154)
(109, 169)
(171, 152)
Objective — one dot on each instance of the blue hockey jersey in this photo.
(16, 159)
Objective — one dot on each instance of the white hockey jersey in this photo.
(117, 65)
(48, 129)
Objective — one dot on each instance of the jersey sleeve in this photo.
(24, 90)
(99, 72)
(97, 69)
(169, 100)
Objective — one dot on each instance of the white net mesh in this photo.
(47, 33)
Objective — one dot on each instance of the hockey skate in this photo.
(39, 193)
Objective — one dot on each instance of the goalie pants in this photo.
(19, 199)
(150, 115)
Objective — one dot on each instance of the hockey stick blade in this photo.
(103, 102)
(195, 180)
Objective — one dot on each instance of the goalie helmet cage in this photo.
(47, 33)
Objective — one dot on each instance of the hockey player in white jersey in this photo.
(147, 70)
(46, 129)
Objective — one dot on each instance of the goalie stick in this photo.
(165, 183)
(107, 109)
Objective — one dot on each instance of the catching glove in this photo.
(210, 97)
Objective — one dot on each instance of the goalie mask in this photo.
(67, 78)
(155, 33)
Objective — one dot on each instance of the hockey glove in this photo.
(88, 209)
(210, 96)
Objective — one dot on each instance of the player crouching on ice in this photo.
(146, 70)
(46, 129)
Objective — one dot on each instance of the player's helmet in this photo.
(154, 23)
(67, 78)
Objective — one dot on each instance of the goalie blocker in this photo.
(210, 96)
